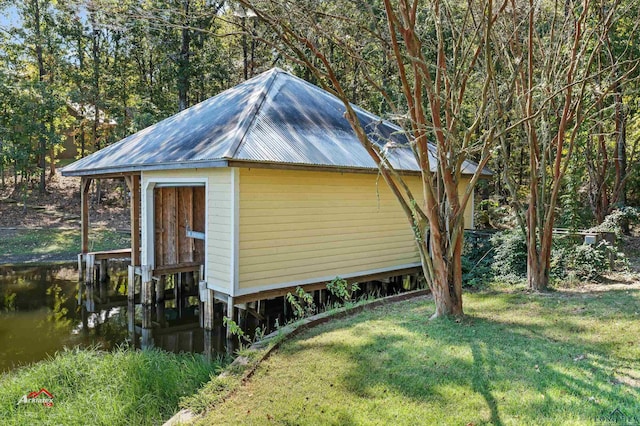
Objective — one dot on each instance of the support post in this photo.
(131, 284)
(90, 299)
(90, 273)
(209, 303)
(85, 186)
(146, 297)
(103, 270)
(80, 267)
(160, 284)
(208, 314)
(230, 315)
(133, 183)
(178, 283)
(131, 322)
(146, 341)
(242, 317)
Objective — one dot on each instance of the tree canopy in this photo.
(544, 93)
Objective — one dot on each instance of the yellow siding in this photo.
(300, 225)
(219, 232)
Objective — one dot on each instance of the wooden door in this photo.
(179, 210)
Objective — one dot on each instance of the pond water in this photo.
(44, 309)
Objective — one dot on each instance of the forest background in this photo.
(77, 76)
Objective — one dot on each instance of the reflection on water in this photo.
(44, 309)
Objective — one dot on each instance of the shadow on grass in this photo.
(569, 376)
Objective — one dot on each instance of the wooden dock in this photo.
(93, 265)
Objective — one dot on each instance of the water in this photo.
(44, 309)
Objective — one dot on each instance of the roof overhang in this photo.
(117, 172)
(138, 168)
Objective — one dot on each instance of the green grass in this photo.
(63, 243)
(559, 358)
(123, 387)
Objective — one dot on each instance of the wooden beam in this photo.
(270, 294)
(84, 213)
(133, 183)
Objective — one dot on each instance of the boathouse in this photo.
(258, 190)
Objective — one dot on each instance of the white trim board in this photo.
(148, 230)
(235, 232)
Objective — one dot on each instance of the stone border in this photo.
(274, 340)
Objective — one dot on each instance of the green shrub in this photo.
(477, 258)
(339, 288)
(302, 303)
(490, 214)
(591, 261)
(618, 220)
(569, 257)
(588, 261)
(510, 255)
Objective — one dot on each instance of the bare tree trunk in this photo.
(621, 147)
(184, 72)
(435, 80)
(42, 142)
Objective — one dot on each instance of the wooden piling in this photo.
(208, 300)
(103, 270)
(131, 284)
(80, 267)
(131, 322)
(177, 289)
(214, 337)
(146, 296)
(146, 341)
(90, 270)
(231, 315)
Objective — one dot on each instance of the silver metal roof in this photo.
(274, 118)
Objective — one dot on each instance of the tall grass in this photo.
(104, 388)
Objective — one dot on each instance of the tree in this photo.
(41, 44)
(432, 65)
(552, 50)
(32, 57)
(608, 156)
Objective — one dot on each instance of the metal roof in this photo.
(273, 118)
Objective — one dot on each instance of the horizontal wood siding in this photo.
(220, 237)
(300, 225)
(217, 219)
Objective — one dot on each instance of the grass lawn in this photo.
(57, 243)
(567, 357)
(90, 387)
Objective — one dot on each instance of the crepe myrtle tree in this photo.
(431, 64)
(553, 50)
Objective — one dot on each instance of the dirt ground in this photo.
(59, 207)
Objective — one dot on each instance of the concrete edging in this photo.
(287, 332)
